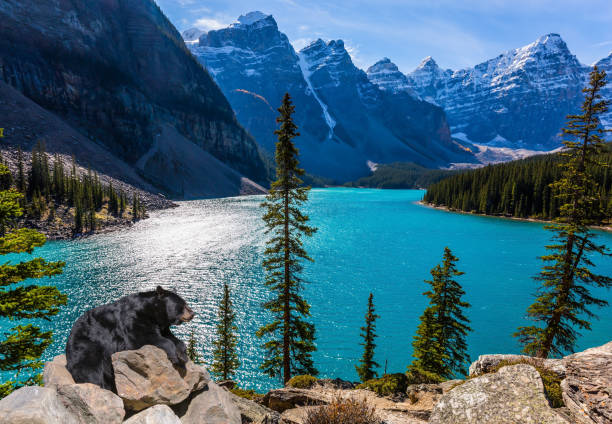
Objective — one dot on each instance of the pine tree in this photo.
(367, 364)
(23, 345)
(192, 350)
(225, 356)
(290, 338)
(563, 298)
(21, 175)
(439, 345)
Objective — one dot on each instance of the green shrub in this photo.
(246, 393)
(419, 376)
(343, 411)
(388, 384)
(302, 381)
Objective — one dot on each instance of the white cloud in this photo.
(300, 43)
(208, 23)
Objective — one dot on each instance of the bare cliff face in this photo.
(119, 73)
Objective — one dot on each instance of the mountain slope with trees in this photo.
(119, 74)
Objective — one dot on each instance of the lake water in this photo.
(368, 241)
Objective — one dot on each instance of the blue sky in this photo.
(457, 34)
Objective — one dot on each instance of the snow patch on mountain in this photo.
(252, 17)
(305, 67)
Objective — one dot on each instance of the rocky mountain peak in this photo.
(192, 34)
(428, 64)
(252, 17)
(386, 75)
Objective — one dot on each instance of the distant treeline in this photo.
(515, 189)
(46, 187)
(401, 175)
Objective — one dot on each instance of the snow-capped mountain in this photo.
(518, 99)
(386, 75)
(606, 92)
(344, 119)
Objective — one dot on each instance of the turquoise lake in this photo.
(378, 241)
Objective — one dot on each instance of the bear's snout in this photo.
(187, 315)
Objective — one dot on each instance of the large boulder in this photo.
(587, 388)
(212, 405)
(145, 377)
(254, 413)
(514, 394)
(35, 405)
(56, 373)
(92, 404)
(487, 363)
(288, 398)
(158, 414)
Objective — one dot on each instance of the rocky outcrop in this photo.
(149, 388)
(287, 398)
(146, 377)
(212, 405)
(587, 388)
(35, 405)
(118, 72)
(486, 363)
(254, 413)
(90, 404)
(514, 394)
(55, 372)
(158, 414)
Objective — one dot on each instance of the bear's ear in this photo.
(159, 290)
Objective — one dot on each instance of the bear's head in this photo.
(173, 310)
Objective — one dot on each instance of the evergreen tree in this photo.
(367, 364)
(225, 356)
(192, 350)
(563, 298)
(439, 345)
(21, 175)
(23, 345)
(290, 338)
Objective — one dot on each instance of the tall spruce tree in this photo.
(367, 365)
(225, 356)
(23, 345)
(563, 298)
(192, 349)
(290, 337)
(440, 346)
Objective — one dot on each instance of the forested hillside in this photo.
(401, 175)
(514, 189)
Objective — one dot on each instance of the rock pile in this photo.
(149, 391)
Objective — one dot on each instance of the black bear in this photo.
(129, 323)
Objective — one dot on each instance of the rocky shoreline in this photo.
(543, 221)
(501, 389)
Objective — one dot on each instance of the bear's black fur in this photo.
(127, 324)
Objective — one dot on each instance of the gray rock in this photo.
(288, 398)
(91, 404)
(158, 414)
(587, 389)
(514, 394)
(254, 413)
(335, 383)
(296, 415)
(486, 363)
(212, 405)
(56, 373)
(145, 377)
(34, 405)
